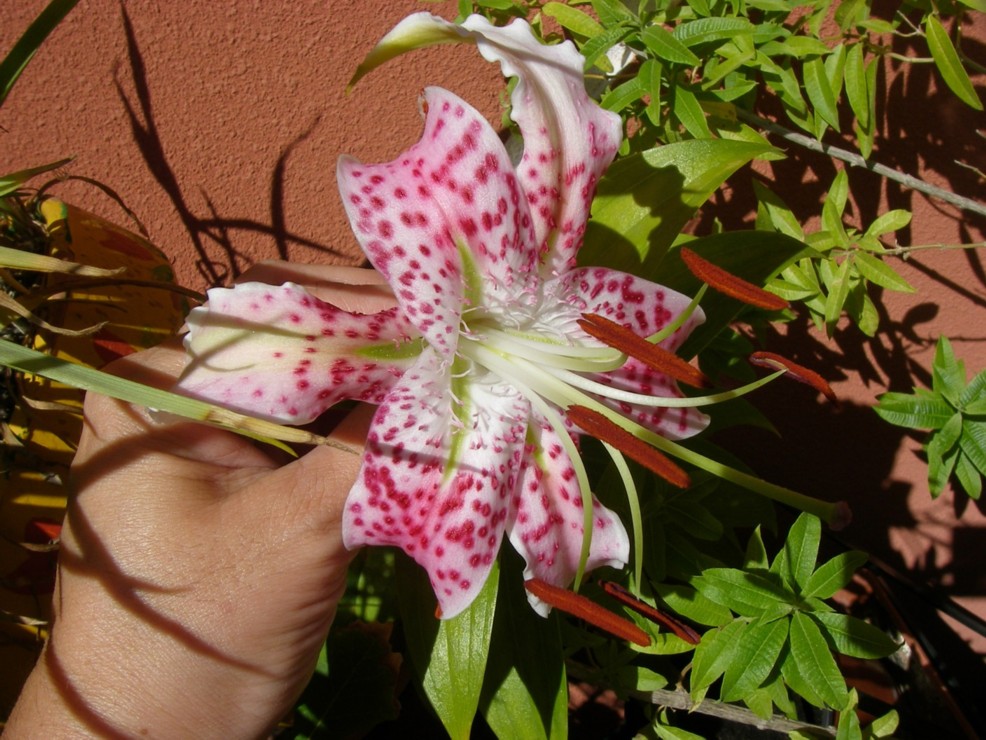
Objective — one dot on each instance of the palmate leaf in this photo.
(714, 653)
(746, 593)
(914, 411)
(809, 668)
(796, 561)
(756, 654)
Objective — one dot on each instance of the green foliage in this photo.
(27, 45)
(841, 265)
(784, 633)
(955, 414)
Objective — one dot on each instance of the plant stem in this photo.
(855, 160)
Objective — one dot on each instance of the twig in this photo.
(855, 160)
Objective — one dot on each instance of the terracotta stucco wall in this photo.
(220, 124)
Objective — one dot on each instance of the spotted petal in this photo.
(436, 477)
(568, 140)
(279, 353)
(645, 308)
(546, 525)
(445, 222)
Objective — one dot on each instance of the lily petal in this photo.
(437, 485)
(569, 141)
(279, 353)
(546, 525)
(445, 223)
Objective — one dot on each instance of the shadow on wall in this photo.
(218, 261)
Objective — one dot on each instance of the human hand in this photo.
(198, 574)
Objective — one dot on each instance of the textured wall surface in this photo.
(220, 124)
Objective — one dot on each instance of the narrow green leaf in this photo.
(837, 296)
(948, 372)
(820, 92)
(689, 603)
(855, 79)
(948, 63)
(912, 411)
(781, 216)
(89, 379)
(713, 654)
(834, 206)
(622, 96)
(801, 551)
(973, 399)
(687, 109)
(613, 12)
(27, 45)
(706, 30)
(880, 273)
(756, 653)
(968, 477)
(18, 259)
(595, 48)
(886, 223)
(449, 656)
(666, 47)
(15, 180)
(756, 553)
(747, 594)
(573, 19)
(973, 442)
(525, 692)
(854, 637)
(834, 574)
(814, 662)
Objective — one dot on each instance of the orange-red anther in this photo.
(679, 628)
(625, 340)
(727, 283)
(606, 431)
(796, 371)
(583, 608)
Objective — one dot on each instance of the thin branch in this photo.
(855, 160)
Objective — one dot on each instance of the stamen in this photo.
(621, 338)
(583, 608)
(727, 283)
(605, 430)
(679, 628)
(796, 371)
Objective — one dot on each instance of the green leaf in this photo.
(14, 181)
(624, 95)
(666, 47)
(27, 45)
(713, 654)
(781, 216)
(686, 108)
(448, 656)
(573, 19)
(814, 663)
(838, 294)
(855, 80)
(968, 476)
(756, 653)
(834, 206)
(820, 92)
(89, 379)
(833, 574)
(613, 12)
(525, 692)
(689, 603)
(947, 373)
(879, 272)
(801, 551)
(644, 200)
(705, 30)
(756, 553)
(19, 259)
(597, 46)
(948, 63)
(854, 637)
(748, 594)
(913, 411)
(973, 443)
(886, 223)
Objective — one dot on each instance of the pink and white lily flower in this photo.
(475, 367)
